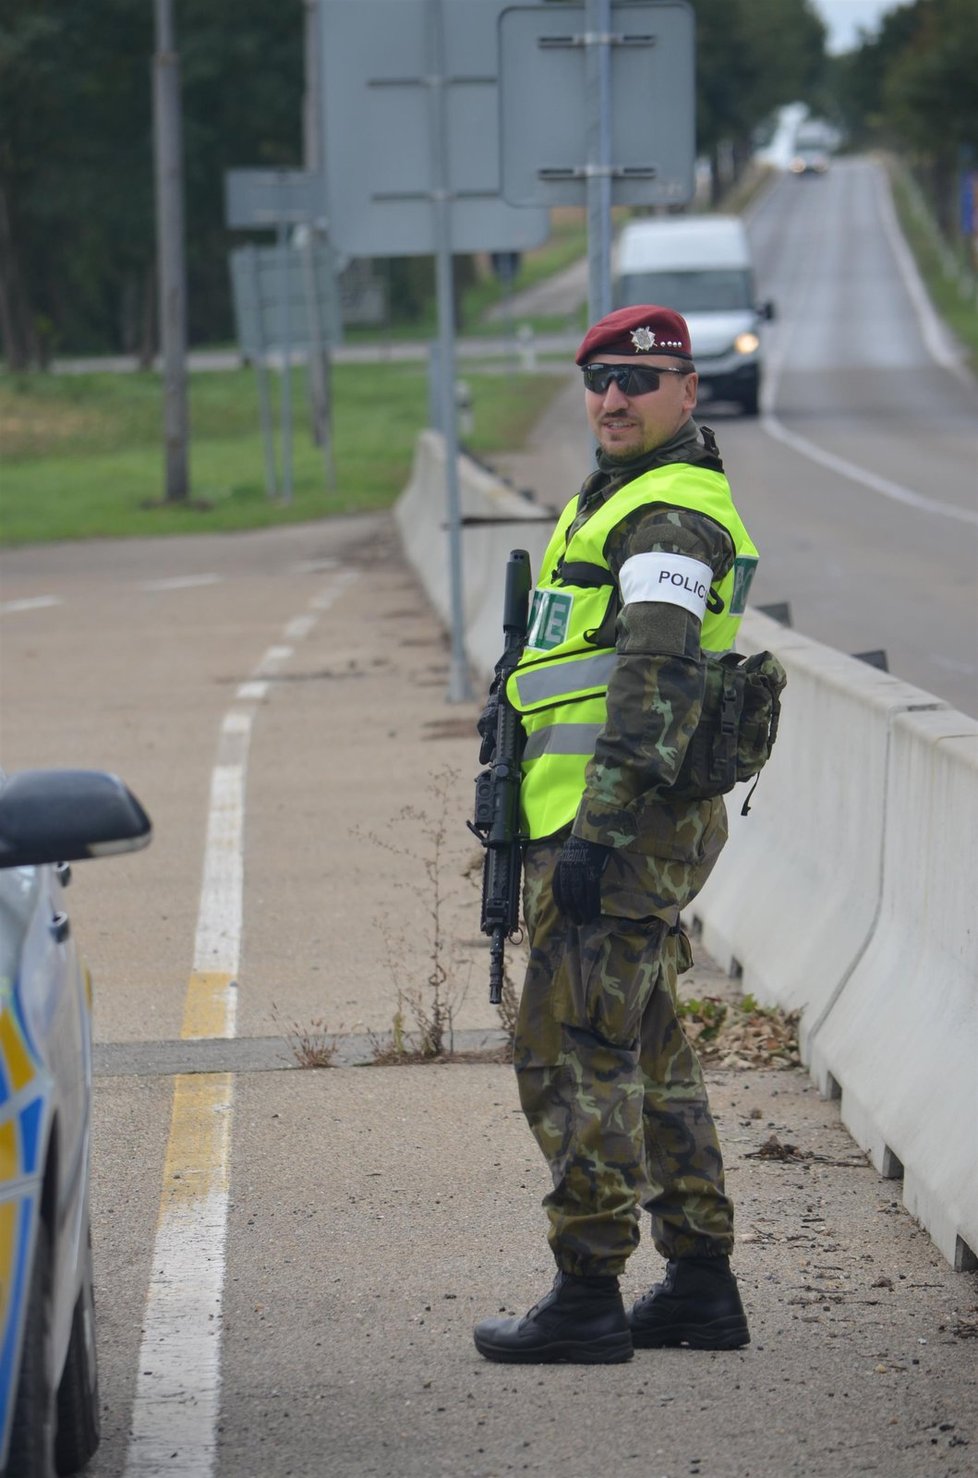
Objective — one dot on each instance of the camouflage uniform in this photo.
(609, 1085)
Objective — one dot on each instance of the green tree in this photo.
(912, 88)
(77, 215)
(752, 56)
(75, 195)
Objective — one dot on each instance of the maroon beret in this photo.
(642, 329)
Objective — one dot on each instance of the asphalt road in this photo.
(289, 1262)
(859, 481)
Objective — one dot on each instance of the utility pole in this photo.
(597, 84)
(171, 270)
(319, 363)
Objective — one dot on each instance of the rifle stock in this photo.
(497, 789)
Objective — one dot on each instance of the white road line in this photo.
(314, 566)
(300, 627)
(894, 490)
(176, 1407)
(933, 331)
(273, 658)
(851, 470)
(178, 1385)
(252, 692)
(29, 603)
(181, 582)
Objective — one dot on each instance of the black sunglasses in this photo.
(631, 379)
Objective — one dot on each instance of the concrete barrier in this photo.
(514, 523)
(795, 896)
(847, 893)
(900, 1039)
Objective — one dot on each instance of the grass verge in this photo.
(83, 458)
(958, 310)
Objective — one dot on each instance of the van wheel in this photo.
(79, 1422)
(750, 403)
(32, 1427)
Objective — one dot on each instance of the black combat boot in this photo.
(696, 1304)
(581, 1320)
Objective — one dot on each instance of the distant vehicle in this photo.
(809, 161)
(49, 1402)
(701, 265)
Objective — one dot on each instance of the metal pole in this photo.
(598, 90)
(459, 685)
(261, 370)
(168, 152)
(318, 360)
(285, 323)
(318, 363)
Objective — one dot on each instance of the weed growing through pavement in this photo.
(432, 1005)
(313, 1045)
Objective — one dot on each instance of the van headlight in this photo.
(747, 343)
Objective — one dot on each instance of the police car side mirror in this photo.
(67, 815)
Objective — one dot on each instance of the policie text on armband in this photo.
(497, 789)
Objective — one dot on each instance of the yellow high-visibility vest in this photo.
(560, 686)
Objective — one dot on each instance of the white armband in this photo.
(674, 579)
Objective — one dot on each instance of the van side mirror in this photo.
(768, 311)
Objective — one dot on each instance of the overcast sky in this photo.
(845, 19)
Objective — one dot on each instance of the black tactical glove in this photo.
(486, 725)
(577, 879)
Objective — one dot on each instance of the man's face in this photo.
(627, 426)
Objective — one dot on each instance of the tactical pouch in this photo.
(737, 728)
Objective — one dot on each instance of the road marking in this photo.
(314, 566)
(176, 1406)
(300, 627)
(252, 692)
(931, 328)
(776, 429)
(273, 658)
(894, 490)
(29, 603)
(181, 582)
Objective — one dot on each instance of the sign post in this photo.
(285, 200)
(421, 79)
(633, 140)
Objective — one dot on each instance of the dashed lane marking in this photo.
(181, 582)
(29, 603)
(178, 1385)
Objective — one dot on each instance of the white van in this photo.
(701, 266)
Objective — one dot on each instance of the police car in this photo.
(49, 1405)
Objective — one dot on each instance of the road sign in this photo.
(264, 287)
(410, 105)
(257, 198)
(545, 126)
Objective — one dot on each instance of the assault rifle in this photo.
(497, 790)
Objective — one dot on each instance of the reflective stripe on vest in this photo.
(543, 685)
(560, 686)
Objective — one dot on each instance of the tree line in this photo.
(912, 88)
(77, 215)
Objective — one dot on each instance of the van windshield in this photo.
(688, 292)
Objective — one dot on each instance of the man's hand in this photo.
(577, 879)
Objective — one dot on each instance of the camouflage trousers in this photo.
(610, 1087)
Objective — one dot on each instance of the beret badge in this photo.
(643, 339)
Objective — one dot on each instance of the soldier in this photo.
(647, 570)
